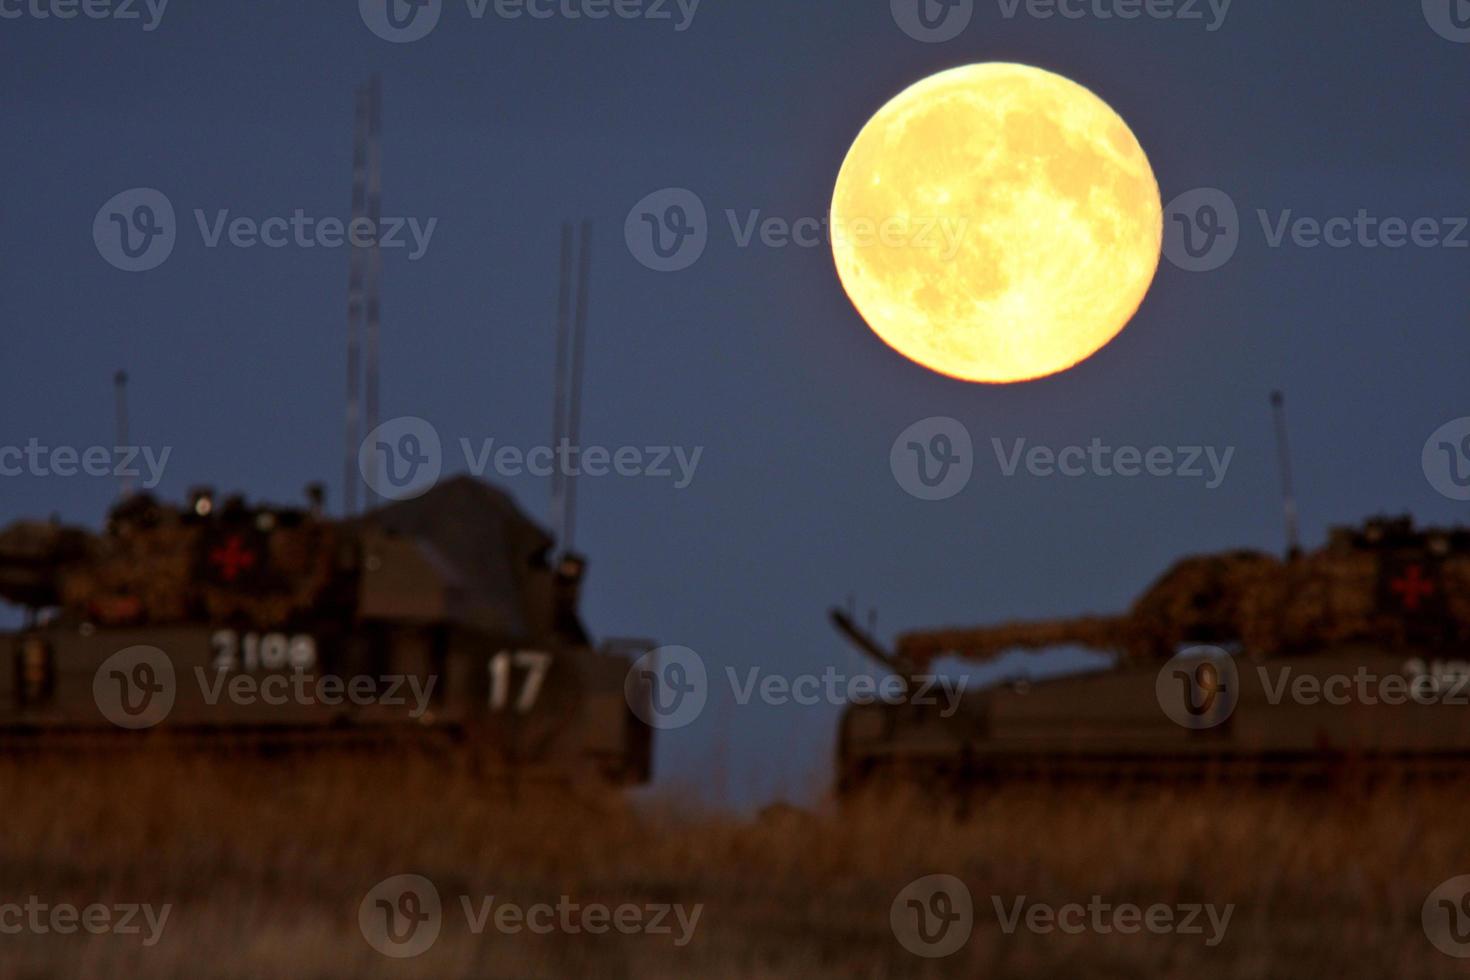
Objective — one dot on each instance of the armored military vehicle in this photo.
(443, 618)
(1230, 664)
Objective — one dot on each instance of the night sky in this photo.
(503, 128)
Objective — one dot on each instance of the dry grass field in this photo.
(265, 863)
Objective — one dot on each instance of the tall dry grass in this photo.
(266, 862)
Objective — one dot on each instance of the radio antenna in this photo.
(1288, 491)
(120, 391)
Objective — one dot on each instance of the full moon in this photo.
(996, 223)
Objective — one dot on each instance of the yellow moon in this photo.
(996, 223)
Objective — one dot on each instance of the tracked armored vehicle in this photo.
(442, 621)
(1346, 657)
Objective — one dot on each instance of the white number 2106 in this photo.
(535, 664)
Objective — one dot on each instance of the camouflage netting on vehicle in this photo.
(1383, 583)
(1205, 600)
(152, 575)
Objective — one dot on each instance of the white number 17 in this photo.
(536, 665)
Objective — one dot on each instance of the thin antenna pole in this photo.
(1288, 491)
(350, 476)
(120, 388)
(375, 255)
(574, 408)
(559, 395)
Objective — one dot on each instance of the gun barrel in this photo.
(867, 644)
(1103, 633)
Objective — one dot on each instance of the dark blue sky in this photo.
(503, 128)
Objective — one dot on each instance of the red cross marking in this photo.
(1412, 587)
(232, 559)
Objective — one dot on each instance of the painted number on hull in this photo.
(534, 662)
(254, 652)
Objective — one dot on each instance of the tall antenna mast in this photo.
(574, 407)
(120, 390)
(350, 478)
(375, 255)
(1288, 492)
(559, 392)
(566, 414)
